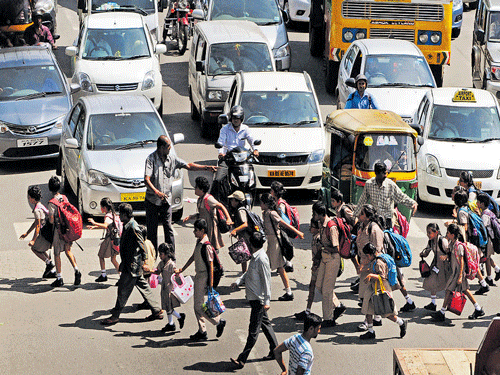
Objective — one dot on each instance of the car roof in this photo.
(114, 20)
(231, 31)
(112, 103)
(444, 96)
(275, 81)
(389, 47)
(25, 56)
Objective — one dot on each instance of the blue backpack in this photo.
(392, 277)
(397, 246)
(477, 231)
(493, 206)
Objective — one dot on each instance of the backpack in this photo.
(218, 269)
(403, 224)
(342, 213)
(255, 223)
(397, 246)
(493, 206)
(47, 230)
(115, 232)
(392, 276)
(478, 235)
(495, 226)
(219, 216)
(345, 236)
(471, 259)
(291, 216)
(70, 220)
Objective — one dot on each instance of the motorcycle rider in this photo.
(38, 33)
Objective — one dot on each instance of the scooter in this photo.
(49, 14)
(178, 24)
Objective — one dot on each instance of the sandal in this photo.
(110, 321)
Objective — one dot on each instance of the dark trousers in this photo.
(388, 223)
(159, 214)
(126, 285)
(258, 318)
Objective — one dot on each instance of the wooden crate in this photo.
(434, 361)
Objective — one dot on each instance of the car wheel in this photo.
(183, 39)
(64, 179)
(316, 40)
(332, 75)
(177, 215)
(455, 33)
(79, 198)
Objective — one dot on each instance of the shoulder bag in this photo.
(284, 242)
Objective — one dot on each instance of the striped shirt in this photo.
(301, 354)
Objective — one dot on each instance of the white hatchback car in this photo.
(461, 132)
(115, 53)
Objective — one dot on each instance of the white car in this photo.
(295, 10)
(282, 111)
(115, 53)
(461, 132)
(398, 74)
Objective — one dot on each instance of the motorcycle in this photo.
(49, 15)
(178, 25)
(240, 175)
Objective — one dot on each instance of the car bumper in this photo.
(212, 111)
(283, 63)
(307, 176)
(10, 150)
(299, 10)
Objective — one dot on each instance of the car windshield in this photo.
(280, 109)
(396, 151)
(20, 82)
(262, 12)
(146, 5)
(464, 124)
(115, 44)
(494, 34)
(398, 70)
(229, 58)
(115, 130)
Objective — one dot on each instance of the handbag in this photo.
(214, 305)
(183, 291)
(153, 280)
(284, 242)
(239, 251)
(382, 301)
(425, 269)
(457, 303)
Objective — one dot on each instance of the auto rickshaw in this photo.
(15, 15)
(358, 138)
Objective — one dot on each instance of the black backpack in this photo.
(218, 269)
(255, 223)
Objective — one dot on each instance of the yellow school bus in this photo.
(335, 24)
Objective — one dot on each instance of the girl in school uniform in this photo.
(277, 191)
(239, 216)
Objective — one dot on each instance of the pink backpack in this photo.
(471, 259)
(403, 224)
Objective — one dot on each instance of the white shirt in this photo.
(230, 139)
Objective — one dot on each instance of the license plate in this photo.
(32, 142)
(281, 173)
(133, 197)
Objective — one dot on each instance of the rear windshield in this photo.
(262, 12)
(229, 58)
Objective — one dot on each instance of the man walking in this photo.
(257, 281)
(133, 254)
(159, 175)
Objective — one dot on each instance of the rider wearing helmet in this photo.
(235, 133)
(38, 33)
(360, 98)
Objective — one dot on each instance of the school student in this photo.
(278, 191)
(237, 210)
(488, 216)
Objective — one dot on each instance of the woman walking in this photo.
(239, 217)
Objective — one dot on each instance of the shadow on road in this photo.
(27, 166)
(215, 367)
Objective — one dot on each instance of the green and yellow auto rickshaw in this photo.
(358, 138)
(15, 15)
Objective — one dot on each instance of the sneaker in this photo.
(181, 320)
(78, 278)
(438, 316)
(476, 314)
(286, 297)
(269, 357)
(220, 328)
(110, 321)
(168, 328)
(362, 327)
(155, 316)
(355, 282)
(490, 282)
(430, 307)
(377, 323)
(48, 270)
(367, 336)
(199, 336)
(101, 278)
(482, 290)
(402, 328)
(51, 275)
(300, 315)
(497, 276)
(289, 268)
(408, 307)
(328, 323)
(58, 282)
(339, 310)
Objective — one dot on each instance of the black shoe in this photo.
(168, 328)
(430, 307)
(476, 314)
(301, 315)
(199, 336)
(377, 323)
(438, 316)
(482, 290)
(143, 306)
(355, 282)
(289, 268)
(269, 357)
(402, 328)
(490, 282)
(355, 288)
(408, 307)
(497, 276)
(101, 278)
(237, 363)
(362, 327)
(78, 278)
(220, 328)
(51, 275)
(367, 336)
(155, 316)
(181, 320)
(286, 297)
(328, 323)
(339, 310)
(58, 282)
(360, 303)
(48, 268)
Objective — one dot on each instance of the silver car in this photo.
(104, 145)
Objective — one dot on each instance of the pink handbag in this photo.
(153, 280)
(183, 291)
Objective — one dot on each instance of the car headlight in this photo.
(3, 127)
(283, 51)
(45, 6)
(495, 71)
(215, 95)
(435, 38)
(97, 178)
(59, 122)
(432, 165)
(316, 156)
(149, 81)
(456, 3)
(348, 35)
(423, 38)
(85, 82)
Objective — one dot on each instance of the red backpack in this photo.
(345, 237)
(70, 220)
(471, 259)
(291, 216)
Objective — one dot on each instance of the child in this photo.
(39, 245)
(106, 249)
(487, 216)
(166, 269)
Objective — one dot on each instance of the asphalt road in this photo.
(57, 331)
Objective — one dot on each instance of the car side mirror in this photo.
(160, 49)
(178, 138)
(480, 36)
(71, 143)
(222, 119)
(350, 82)
(417, 128)
(200, 66)
(71, 51)
(257, 142)
(420, 140)
(198, 14)
(218, 145)
(74, 88)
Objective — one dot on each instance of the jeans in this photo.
(159, 214)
